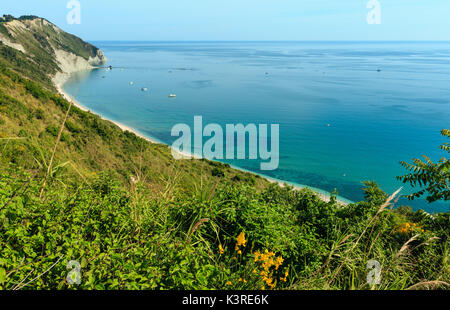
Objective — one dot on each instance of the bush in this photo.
(53, 130)
(72, 127)
(217, 172)
(39, 114)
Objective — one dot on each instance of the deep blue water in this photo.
(376, 118)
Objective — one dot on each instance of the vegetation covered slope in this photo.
(105, 209)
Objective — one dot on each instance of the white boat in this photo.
(131, 83)
(144, 89)
(172, 96)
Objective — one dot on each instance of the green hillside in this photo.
(78, 188)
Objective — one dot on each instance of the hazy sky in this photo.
(244, 19)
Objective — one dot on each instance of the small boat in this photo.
(144, 88)
(172, 96)
(131, 83)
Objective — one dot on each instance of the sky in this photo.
(266, 20)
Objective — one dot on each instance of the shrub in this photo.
(217, 172)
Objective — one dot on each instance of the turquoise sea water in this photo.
(347, 111)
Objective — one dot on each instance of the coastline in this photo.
(60, 79)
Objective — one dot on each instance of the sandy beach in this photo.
(59, 81)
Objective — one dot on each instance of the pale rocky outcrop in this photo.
(8, 42)
(67, 62)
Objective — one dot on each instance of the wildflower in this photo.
(279, 261)
(409, 227)
(257, 255)
(229, 283)
(268, 261)
(241, 239)
(221, 250)
(284, 279)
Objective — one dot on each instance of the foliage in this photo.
(126, 237)
(217, 172)
(434, 177)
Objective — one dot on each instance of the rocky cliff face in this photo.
(49, 46)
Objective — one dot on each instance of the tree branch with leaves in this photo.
(433, 178)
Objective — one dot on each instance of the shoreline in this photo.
(61, 79)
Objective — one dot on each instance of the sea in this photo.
(347, 111)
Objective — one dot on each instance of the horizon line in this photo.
(281, 41)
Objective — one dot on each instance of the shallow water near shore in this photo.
(347, 111)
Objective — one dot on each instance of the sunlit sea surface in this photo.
(347, 111)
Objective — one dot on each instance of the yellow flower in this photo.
(221, 250)
(241, 239)
(408, 227)
(279, 261)
(239, 252)
(257, 255)
(229, 283)
(286, 273)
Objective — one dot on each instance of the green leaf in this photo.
(2, 276)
